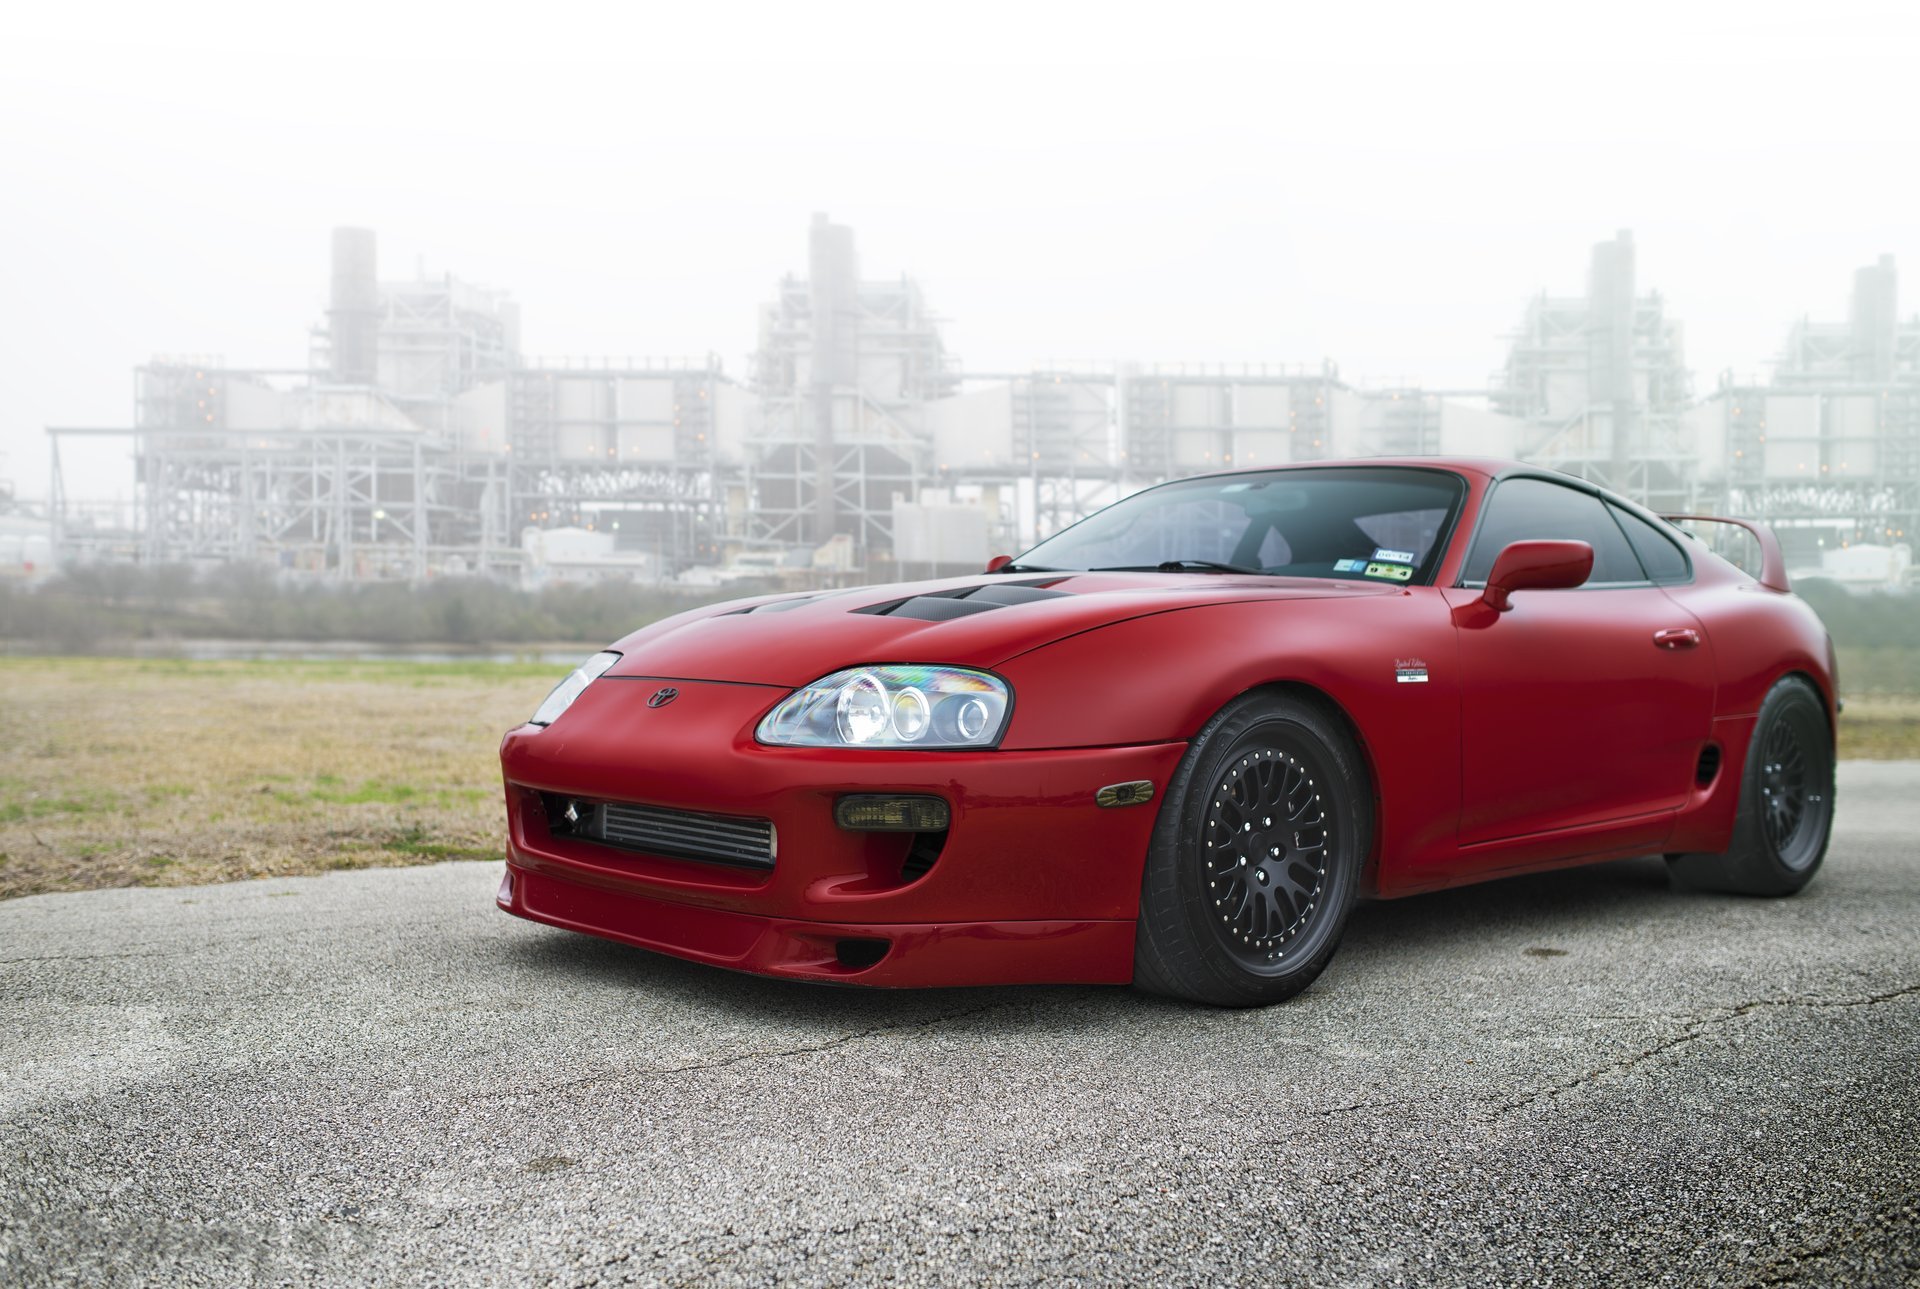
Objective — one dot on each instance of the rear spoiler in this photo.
(1773, 565)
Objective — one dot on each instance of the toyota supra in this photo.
(1174, 744)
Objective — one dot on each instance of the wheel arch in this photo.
(1826, 688)
(1743, 860)
(1828, 705)
(1321, 697)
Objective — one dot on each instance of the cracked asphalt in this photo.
(375, 1077)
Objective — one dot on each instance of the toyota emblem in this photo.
(661, 697)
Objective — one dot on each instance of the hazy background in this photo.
(1384, 185)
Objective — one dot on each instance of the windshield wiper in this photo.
(1181, 566)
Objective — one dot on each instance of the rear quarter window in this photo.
(1659, 554)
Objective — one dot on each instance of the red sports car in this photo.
(1174, 743)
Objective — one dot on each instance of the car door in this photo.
(1579, 707)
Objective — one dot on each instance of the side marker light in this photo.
(1125, 794)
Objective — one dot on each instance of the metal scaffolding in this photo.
(626, 449)
(419, 440)
(1829, 449)
(843, 372)
(1602, 386)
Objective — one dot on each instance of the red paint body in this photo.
(1565, 730)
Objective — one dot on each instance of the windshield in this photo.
(1366, 523)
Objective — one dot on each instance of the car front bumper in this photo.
(1034, 883)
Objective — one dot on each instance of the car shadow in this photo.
(1543, 902)
(582, 960)
(1383, 939)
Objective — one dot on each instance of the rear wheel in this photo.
(1256, 855)
(1786, 802)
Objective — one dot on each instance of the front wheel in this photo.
(1256, 855)
(1786, 802)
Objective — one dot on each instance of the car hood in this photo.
(978, 621)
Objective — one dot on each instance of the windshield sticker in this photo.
(1349, 565)
(1398, 572)
(1385, 556)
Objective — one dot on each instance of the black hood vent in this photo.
(938, 606)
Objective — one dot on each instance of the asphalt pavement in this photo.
(377, 1078)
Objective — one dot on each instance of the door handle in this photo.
(1677, 638)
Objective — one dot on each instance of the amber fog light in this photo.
(891, 814)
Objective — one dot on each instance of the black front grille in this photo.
(683, 834)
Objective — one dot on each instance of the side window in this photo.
(1537, 510)
(1659, 553)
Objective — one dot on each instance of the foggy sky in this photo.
(1383, 185)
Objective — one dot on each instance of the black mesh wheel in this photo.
(1793, 801)
(1256, 855)
(1265, 851)
(1786, 802)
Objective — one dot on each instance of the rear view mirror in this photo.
(998, 562)
(1537, 566)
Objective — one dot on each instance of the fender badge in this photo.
(1124, 794)
(1410, 671)
(661, 697)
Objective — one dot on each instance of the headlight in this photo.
(571, 688)
(892, 706)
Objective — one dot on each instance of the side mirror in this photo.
(998, 562)
(1537, 566)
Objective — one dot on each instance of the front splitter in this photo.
(917, 954)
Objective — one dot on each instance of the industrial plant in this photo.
(420, 441)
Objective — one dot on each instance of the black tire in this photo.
(1280, 773)
(1786, 802)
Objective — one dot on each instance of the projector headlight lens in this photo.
(912, 714)
(892, 706)
(862, 708)
(572, 687)
(971, 718)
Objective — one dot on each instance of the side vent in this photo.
(1708, 768)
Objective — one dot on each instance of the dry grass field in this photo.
(120, 772)
(1875, 728)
